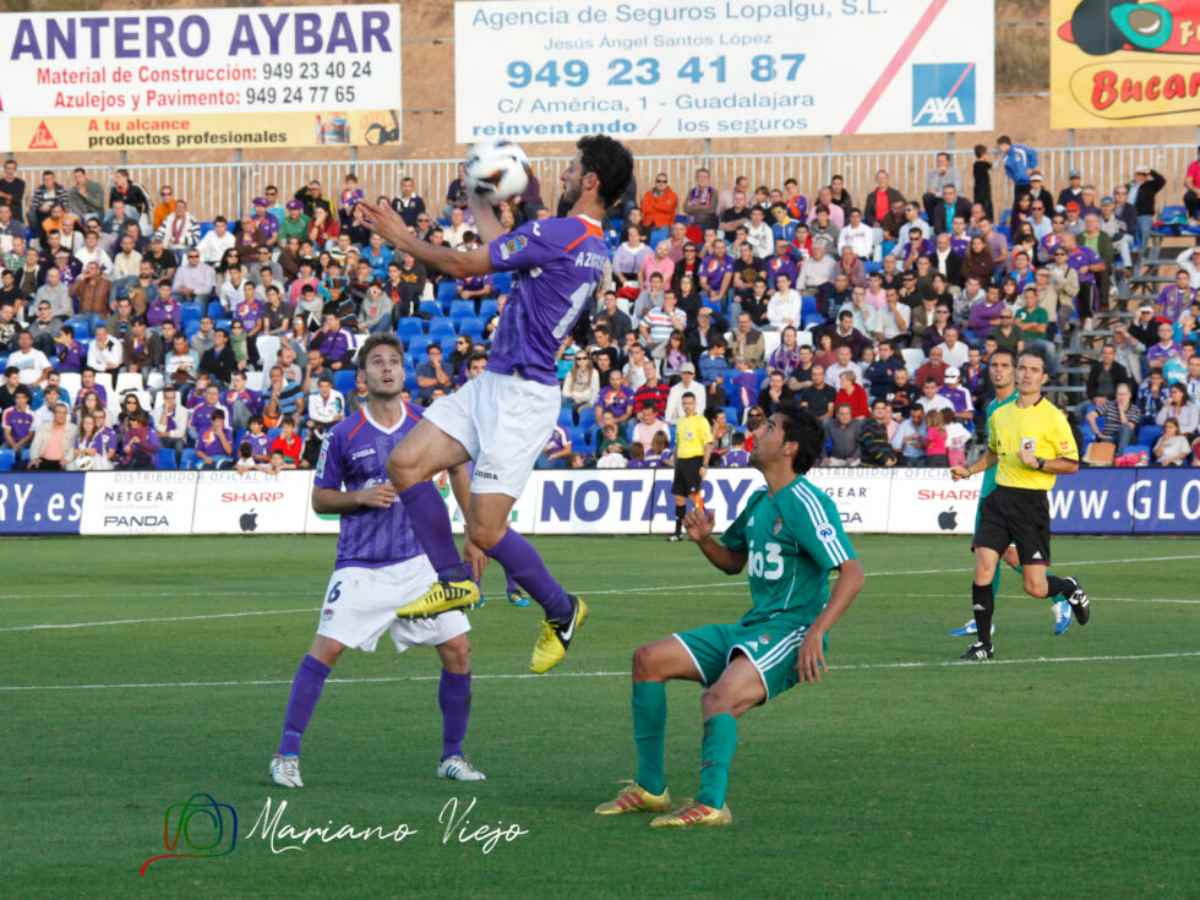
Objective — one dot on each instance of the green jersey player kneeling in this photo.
(791, 536)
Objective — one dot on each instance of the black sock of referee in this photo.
(1059, 587)
(984, 604)
(679, 513)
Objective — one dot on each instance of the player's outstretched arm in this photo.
(386, 222)
(487, 226)
(327, 501)
(700, 529)
(812, 654)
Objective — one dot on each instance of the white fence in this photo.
(227, 188)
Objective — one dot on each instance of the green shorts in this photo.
(772, 647)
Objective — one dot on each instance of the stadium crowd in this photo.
(136, 332)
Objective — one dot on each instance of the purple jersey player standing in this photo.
(377, 557)
(502, 419)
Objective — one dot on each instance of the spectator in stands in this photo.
(615, 398)
(432, 374)
(12, 190)
(1172, 447)
(759, 234)
(687, 385)
(179, 231)
(875, 439)
(819, 397)
(1165, 349)
(851, 393)
(219, 361)
(880, 201)
(701, 205)
(139, 450)
(817, 270)
(783, 310)
(629, 258)
(961, 402)
(1143, 192)
(659, 204)
(1182, 409)
(843, 435)
(171, 420)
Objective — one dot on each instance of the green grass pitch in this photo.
(1066, 768)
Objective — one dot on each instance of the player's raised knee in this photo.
(485, 535)
(643, 663)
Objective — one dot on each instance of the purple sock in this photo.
(306, 691)
(454, 698)
(431, 525)
(524, 566)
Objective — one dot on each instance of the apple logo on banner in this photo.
(948, 519)
(248, 521)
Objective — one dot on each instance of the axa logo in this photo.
(943, 94)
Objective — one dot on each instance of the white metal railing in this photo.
(228, 188)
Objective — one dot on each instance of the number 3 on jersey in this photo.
(768, 566)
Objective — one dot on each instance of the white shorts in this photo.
(360, 605)
(504, 422)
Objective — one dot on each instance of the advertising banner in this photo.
(125, 503)
(243, 77)
(253, 503)
(538, 70)
(929, 501)
(1124, 65)
(877, 501)
(41, 503)
(1127, 501)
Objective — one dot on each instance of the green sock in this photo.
(716, 755)
(650, 733)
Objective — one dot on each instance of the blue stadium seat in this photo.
(430, 308)
(441, 327)
(731, 414)
(82, 326)
(166, 459)
(188, 459)
(487, 309)
(223, 325)
(581, 440)
(344, 381)
(190, 327)
(587, 417)
(808, 305)
(812, 321)
(462, 309)
(8, 459)
(416, 349)
(657, 235)
(447, 343)
(472, 328)
(410, 381)
(1140, 449)
(566, 417)
(447, 291)
(410, 327)
(272, 433)
(502, 282)
(188, 312)
(1149, 434)
(215, 310)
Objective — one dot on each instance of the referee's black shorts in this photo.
(1016, 516)
(687, 476)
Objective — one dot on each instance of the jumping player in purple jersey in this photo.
(377, 557)
(502, 419)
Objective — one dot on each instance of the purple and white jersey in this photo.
(260, 444)
(19, 423)
(558, 262)
(354, 456)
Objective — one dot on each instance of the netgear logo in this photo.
(943, 94)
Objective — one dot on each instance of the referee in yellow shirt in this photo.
(693, 447)
(1031, 442)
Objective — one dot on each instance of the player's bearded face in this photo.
(572, 181)
(385, 374)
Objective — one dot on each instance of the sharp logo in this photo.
(943, 94)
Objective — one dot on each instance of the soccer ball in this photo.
(497, 170)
